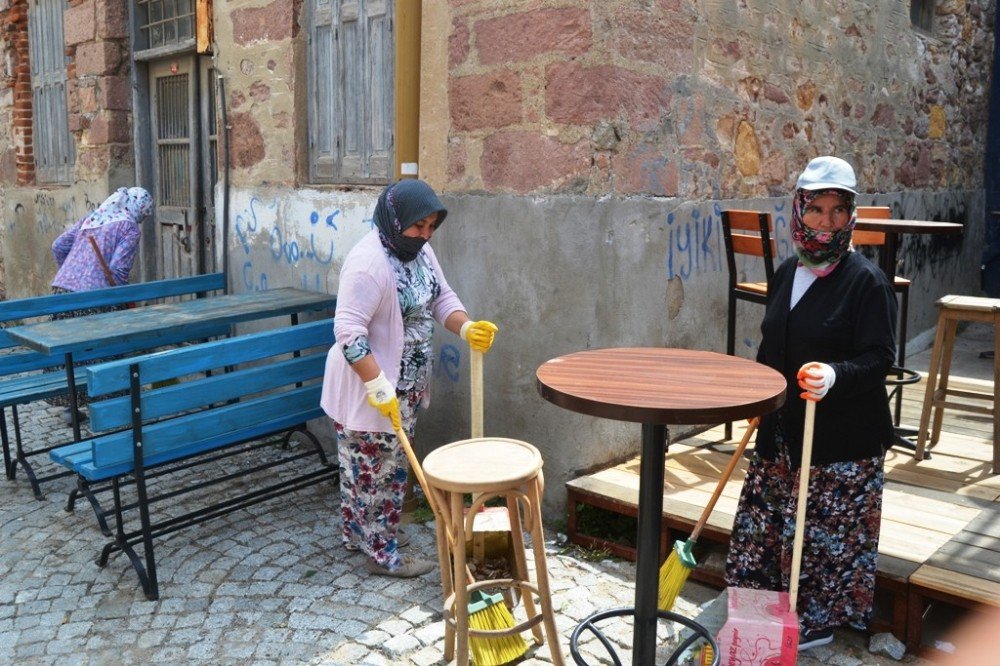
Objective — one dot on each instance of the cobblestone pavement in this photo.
(270, 585)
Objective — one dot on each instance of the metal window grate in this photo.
(165, 22)
(173, 135)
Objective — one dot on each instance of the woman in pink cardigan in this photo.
(377, 376)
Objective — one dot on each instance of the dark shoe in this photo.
(811, 639)
(408, 568)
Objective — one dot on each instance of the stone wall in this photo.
(99, 98)
(712, 99)
(263, 61)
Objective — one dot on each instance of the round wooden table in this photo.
(892, 230)
(657, 387)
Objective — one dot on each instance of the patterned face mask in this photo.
(820, 251)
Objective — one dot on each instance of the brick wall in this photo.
(17, 162)
(716, 100)
(97, 87)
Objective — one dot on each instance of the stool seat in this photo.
(953, 309)
(482, 465)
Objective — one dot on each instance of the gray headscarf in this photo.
(400, 206)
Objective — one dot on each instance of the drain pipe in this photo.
(225, 187)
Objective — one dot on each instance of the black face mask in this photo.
(407, 248)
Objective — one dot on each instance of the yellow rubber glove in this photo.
(382, 396)
(479, 334)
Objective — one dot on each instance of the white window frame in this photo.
(351, 66)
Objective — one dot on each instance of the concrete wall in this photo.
(563, 273)
(31, 220)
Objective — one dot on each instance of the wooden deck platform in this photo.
(940, 538)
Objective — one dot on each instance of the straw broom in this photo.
(486, 612)
(675, 571)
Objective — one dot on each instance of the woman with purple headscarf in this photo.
(391, 292)
(98, 252)
(829, 327)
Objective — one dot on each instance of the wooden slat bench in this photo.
(261, 384)
(964, 572)
(27, 376)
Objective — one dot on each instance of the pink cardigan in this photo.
(367, 304)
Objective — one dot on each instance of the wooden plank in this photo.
(35, 306)
(153, 321)
(968, 559)
(960, 585)
(986, 523)
(113, 376)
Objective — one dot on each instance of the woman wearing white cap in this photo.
(829, 327)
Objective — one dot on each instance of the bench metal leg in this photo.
(22, 460)
(84, 488)
(8, 463)
(147, 573)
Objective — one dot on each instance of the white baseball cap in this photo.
(828, 172)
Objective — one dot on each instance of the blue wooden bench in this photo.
(27, 376)
(228, 393)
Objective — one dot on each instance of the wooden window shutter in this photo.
(52, 142)
(352, 83)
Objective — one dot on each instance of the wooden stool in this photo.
(953, 310)
(490, 467)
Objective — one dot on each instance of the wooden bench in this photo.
(27, 376)
(228, 393)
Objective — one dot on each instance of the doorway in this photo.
(183, 165)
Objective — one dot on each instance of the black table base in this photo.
(590, 624)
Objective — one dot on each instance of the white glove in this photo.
(815, 379)
(382, 396)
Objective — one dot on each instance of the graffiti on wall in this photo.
(300, 241)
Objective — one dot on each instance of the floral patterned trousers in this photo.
(373, 472)
(840, 548)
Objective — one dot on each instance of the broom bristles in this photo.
(673, 574)
(495, 616)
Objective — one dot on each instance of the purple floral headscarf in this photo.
(133, 203)
(820, 251)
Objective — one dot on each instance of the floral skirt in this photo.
(840, 548)
(81, 391)
(373, 472)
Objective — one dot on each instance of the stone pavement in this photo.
(272, 585)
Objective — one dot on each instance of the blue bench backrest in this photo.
(193, 415)
(44, 306)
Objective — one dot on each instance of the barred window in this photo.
(52, 142)
(351, 91)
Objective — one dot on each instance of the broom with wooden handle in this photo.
(486, 611)
(675, 571)
(800, 514)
